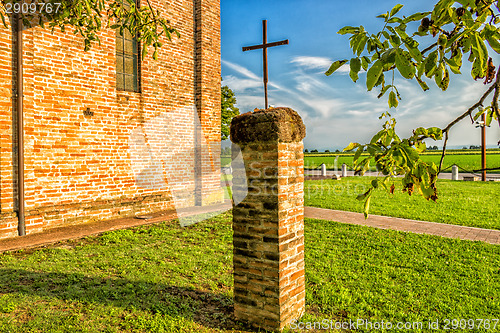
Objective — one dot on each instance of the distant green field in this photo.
(469, 160)
(466, 159)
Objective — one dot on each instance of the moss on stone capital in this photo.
(276, 124)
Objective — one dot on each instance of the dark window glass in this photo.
(127, 61)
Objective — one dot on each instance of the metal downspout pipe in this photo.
(21, 226)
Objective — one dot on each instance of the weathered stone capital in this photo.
(276, 124)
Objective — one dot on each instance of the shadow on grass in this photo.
(208, 309)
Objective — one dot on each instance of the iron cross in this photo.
(264, 47)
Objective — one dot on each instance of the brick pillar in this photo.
(208, 101)
(268, 225)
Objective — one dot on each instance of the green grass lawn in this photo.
(356, 272)
(163, 278)
(473, 204)
(159, 278)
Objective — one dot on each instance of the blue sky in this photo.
(335, 110)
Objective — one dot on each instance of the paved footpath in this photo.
(55, 235)
(394, 223)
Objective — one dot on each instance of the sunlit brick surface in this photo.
(268, 225)
(136, 149)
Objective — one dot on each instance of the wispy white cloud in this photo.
(240, 85)
(242, 70)
(249, 102)
(309, 62)
(251, 80)
(317, 63)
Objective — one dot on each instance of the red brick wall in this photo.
(136, 153)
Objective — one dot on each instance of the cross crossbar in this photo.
(256, 47)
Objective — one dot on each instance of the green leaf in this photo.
(395, 10)
(351, 146)
(389, 137)
(494, 44)
(479, 113)
(384, 90)
(364, 62)
(477, 69)
(395, 40)
(422, 84)
(361, 45)
(430, 64)
(489, 118)
(420, 131)
(444, 79)
(454, 69)
(362, 196)
(366, 207)
(373, 74)
(401, 31)
(355, 65)
(388, 58)
(336, 65)
(404, 65)
(420, 146)
(395, 20)
(427, 192)
(412, 47)
(378, 136)
(466, 42)
(435, 133)
(416, 17)
(354, 40)
(479, 49)
(440, 9)
(393, 101)
(348, 30)
(381, 81)
(357, 154)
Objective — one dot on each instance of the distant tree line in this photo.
(316, 151)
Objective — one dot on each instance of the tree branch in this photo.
(495, 96)
(152, 11)
(429, 48)
(444, 151)
(446, 130)
(472, 108)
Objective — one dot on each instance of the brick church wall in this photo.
(136, 154)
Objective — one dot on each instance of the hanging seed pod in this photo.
(425, 23)
(491, 72)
